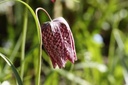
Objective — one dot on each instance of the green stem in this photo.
(25, 22)
(39, 8)
(39, 38)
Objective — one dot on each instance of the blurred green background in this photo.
(100, 30)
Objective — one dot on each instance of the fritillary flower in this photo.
(58, 41)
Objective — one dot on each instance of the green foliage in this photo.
(100, 31)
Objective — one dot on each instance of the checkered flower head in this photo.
(58, 41)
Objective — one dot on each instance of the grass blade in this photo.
(13, 68)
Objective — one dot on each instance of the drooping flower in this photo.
(58, 41)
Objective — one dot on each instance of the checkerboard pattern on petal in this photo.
(58, 41)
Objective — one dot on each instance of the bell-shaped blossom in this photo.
(58, 42)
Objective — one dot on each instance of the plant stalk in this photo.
(23, 42)
(39, 8)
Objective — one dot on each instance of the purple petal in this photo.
(58, 42)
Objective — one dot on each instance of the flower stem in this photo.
(23, 42)
(39, 8)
